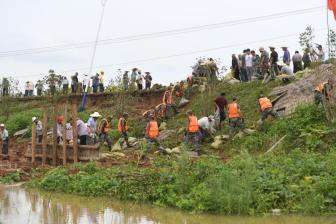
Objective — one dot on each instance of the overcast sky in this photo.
(40, 23)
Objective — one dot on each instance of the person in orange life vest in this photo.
(160, 112)
(266, 108)
(192, 131)
(103, 130)
(235, 118)
(152, 133)
(168, 100)
(123, 129)
(323, 90)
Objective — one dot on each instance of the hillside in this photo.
(239, 177)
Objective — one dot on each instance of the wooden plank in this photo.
(54, 137)
(64, 133)
(74, 131)
(33, 147)
(44, 137)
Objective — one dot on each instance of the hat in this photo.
(261, 49)
(147, 72)
(271, 47)
(95, 114)
(2, 125)
(34, 119)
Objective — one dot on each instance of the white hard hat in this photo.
(2, 125)
(34, 119)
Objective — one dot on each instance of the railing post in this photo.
(64, 133)
(74, 131)
(54, 146)
(44, 135)
(33, 142)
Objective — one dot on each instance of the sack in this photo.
(183, 102)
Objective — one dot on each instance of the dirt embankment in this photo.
(301, 91)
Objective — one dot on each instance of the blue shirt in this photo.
(286, 57)
(92, 124)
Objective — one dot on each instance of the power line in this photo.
(157, 34)
(176, 55)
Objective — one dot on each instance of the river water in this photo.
(19, 205)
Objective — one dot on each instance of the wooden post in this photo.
(64, 133)
(33, 142)
(54, 148)
(74, 131)
(44, 135)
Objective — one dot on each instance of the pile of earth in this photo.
(301, 90)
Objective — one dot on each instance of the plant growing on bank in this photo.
(297, 182)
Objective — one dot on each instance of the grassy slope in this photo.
(298, 178)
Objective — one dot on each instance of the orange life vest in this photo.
(120, 128)
(153, 131)
(320, 87)
(168, 97)
(233, 110)
(193, 126)
(265, 103)
(106, 129)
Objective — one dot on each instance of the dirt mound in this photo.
(301, 91)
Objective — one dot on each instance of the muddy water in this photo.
(19, 205)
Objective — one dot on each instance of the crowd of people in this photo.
(96, 129)
(268, 64)
(54, 83)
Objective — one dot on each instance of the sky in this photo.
(42, 23)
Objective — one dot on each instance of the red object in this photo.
(332, 6)
(60, 119)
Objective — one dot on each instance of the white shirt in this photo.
(4, 134)
(249, 60)
(85, 81)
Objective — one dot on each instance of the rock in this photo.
(165, 134)
(21, 133)
(183, 102)
(218, 138)
(163, 126)
(216, 144)
(113, 155)
(202, 88)
(226, 137)
(168, 150)
(132, 140)
(181, 130)
(176, 150)
(116, 146)
(249, 131)
(193, 154)
(233, 81)
(276, 211)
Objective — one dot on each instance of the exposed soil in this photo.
(302, 91)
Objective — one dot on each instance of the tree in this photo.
(306, 38)
(332, 44)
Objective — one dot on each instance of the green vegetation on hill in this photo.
(299, 177)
